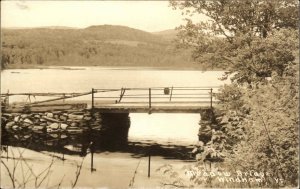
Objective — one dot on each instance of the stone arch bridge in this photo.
(102, 110)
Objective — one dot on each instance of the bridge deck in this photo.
(155, 108)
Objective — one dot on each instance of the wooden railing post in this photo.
(171, 94)
(122, 94)
(149, 163)
(211, 97)
(149, 98)
(7, 99)
(92, 98)
(92, 156)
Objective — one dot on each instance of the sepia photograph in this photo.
(145, 94)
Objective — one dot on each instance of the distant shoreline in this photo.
(109, 67)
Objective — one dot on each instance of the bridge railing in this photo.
(142, 96)
(154, 95)
(30, 99)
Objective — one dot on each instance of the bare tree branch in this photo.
(77, 173)
(135, 171)
(9, 173)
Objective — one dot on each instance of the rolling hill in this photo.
(103, 45)
(167, 34)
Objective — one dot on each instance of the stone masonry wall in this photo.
(106, 129)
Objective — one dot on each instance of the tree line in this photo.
(94, 46)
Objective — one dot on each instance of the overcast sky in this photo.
(145, 15)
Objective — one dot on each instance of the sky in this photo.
(149, 16)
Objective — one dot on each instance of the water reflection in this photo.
(111, 137)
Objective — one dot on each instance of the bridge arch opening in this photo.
(164, 128)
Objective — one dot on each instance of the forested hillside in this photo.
(103, 45)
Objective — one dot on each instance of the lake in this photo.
(170, 128)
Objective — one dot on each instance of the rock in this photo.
(4, 119)
(57, 112)
(15, 127)
(25, 124)
(9, 124)
(70, 147)
(56, 116)
(36, 121)
(50, 119)
(17, 119)
(42, 120)
(28, 121)
(27, 136)
(43, 124)
(16, 136)
(75, 131)
(7, 115)
(75, 117)
(64, 118)
(99, 119)
(82, 124)
(24, 116)
(49, 143)
(63, 126)
(98, 128)
(49, 115)
(53, 126)
(78, 113)
(74, 124)
(97, 122)
(71, 128)
(38, 129)
(87, 118)
(96, 114)
(54, 135)
(37, 116)
(63, 136)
